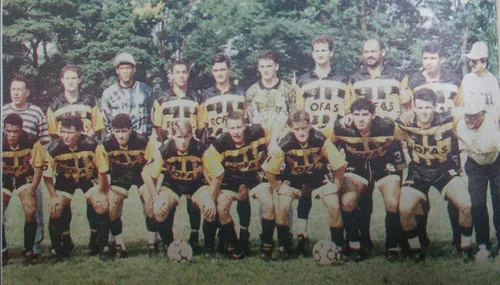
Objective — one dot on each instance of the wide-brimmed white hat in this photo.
(123, 58)
(478, 50)
(474, 107)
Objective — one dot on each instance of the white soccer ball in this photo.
(326, 252)
(180, 251)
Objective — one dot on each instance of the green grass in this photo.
(439, 268)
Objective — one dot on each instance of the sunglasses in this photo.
(476, 61)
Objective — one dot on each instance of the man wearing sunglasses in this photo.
(480, 83)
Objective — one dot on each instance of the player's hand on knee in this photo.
(225, 204)
(208, 210)
(100, 203)
(55, 206)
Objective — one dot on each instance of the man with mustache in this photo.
(480, 84)
(386, 87)
(480, 138)
(34, 123)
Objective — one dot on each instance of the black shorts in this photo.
(183, 188)
(306, 183)
(234, 185)
(69, 189)
(422, 178)
(11, 182)
(371, 171)
(127, 183)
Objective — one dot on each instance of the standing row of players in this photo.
(269, 103)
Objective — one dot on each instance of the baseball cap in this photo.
(123, 58)
(478, 50)
(474, 107)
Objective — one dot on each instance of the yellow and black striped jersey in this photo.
(448, 89)
(84, 107)
(369, 146)
(387, 92)
(184, 168)
(21, 160)
(216, 106)
(169, 107)
(243, 162)
(71, 167)
(324, 99)
(127, 163)
(314, 158)
(433, 147)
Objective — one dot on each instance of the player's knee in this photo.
(29, 211)
(349, 203)
(100, 204)
(392, 205)
(464, 206)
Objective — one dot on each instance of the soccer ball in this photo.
(326, 252)
(180, 251)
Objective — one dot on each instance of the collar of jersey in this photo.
(276, 86)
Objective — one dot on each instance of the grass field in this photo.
(439, 268)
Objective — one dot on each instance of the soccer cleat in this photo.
(456, 250)
(483, 254)
(119, 252)
(244, 242)
(104, 255)
(285, 254)
(151, 250)
(236, 254)
(467, 254)
(392, 255)
(55, 256)
(29, 258)
(5, 258)
(303, 246)
(417, 255)
(209, 253)
(355, 254)
(266, 252)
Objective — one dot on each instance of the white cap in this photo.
(474, 107)
(478, 50)
(123, 58)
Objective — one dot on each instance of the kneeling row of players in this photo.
(303, 164)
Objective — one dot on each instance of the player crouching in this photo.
(126, 152)
(433, 148)
(240, 152)
(75, 160)
(370, 162)
(181, 160)
(22, 162)
(309, 158)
